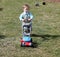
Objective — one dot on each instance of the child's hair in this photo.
(26, 5)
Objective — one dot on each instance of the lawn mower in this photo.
(26, 40)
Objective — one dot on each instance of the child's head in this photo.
(26, 7)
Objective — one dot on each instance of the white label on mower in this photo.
(26, 23)
(26, 33)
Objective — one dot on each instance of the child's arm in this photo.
(21, 18)
(31, 17)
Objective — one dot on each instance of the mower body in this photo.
(26, 41)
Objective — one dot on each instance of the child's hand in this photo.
(29, 20)
(23, 20)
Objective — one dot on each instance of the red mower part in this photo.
(28, 43)
(21, 41)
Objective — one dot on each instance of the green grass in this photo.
(46, 28)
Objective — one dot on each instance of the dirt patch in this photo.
(1, 9)
(53, 0)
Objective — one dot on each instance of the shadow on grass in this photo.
(35, 45)
(45, 37)
(1, 9)
(2, 36)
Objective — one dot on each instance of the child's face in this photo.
(25, 9)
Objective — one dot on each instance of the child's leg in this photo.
(22, 30)
(30, 28)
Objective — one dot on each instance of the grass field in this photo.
(46, 29)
